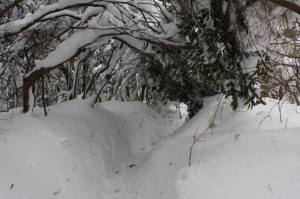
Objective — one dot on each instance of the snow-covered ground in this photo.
(126, 150)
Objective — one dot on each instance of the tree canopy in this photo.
(147, 50)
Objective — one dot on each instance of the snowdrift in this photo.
(130, 151)
(76, 151)
(242, 154)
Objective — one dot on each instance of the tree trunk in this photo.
(26, 86)
(65, 71)
(43, 95)
(28, 81)
(84, 79)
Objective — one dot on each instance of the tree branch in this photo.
(287, 4)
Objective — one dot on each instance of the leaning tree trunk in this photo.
(29, 81)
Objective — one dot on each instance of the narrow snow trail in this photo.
(248, 155)
(78, 152)
(144, 129)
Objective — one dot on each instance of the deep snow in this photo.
(128, 150)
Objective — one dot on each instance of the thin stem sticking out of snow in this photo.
(212, 123)
(267, 116)
(196, 139)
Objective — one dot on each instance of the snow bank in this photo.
(76, 152)
(264, 165)
(249, 154)
(66, 155)
(130, 151)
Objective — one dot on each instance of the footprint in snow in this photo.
(132, 165)
(57, 192)
(65, 142)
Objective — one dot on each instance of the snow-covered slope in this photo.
(129, 151)
(65, 155)
(76, 152)
(249, 154)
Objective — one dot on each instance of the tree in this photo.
(279, 61)
(131, 50)
(92, 23)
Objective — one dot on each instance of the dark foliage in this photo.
(212, 62)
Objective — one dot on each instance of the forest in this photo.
(181, 51)
(114, 88)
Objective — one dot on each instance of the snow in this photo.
(101, 28)
(75, 152)
(70, 47)
(56, 156)
(17, 25)
(254, 165)
(63, 13)
(127, 21)
(128, 150)
(242, 158)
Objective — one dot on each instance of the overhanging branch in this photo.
(287, 4)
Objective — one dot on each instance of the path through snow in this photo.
(130, 151)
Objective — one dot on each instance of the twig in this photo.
(267, 116)
(195, 140)
(212, 124)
